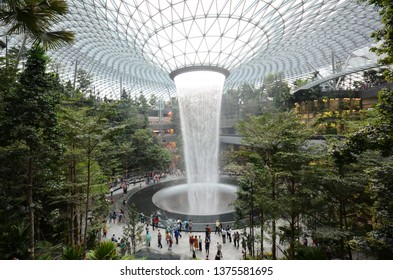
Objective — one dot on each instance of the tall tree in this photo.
(273, 145)
(30, 120)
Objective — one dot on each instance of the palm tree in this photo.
(33, 19)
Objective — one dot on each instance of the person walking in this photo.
(200, 243)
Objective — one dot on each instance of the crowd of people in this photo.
(199, 244)
(173, 236)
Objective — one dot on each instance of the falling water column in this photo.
(199, 94)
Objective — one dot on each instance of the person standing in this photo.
(120, 215)
(218, 230)
(171, 231)
(200, 243)
(177, 236)
(191, 242)
(196, 243)
(235, 239)
(114, 217)
(207, 231)
(219, 251)
(207, 246)
(170, 243)
(224, 235)
(148, 239)
(156, 220)
(179, 224)
(114, 238)
(159, 236)
(244, 245)
(105, 231)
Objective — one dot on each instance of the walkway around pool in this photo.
(180, 250)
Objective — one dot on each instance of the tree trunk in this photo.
(87, 201)
(341, 228)
(72, 206)
(262, 223)
(346, 228)
(274, 233)
(274, 237)
(292, 224)
(76, 228)
(31, 207)
(80, 225)
(252, 220)
(292, 238)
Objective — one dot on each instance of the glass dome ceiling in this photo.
(136, 44)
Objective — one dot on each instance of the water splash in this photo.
(199, 94)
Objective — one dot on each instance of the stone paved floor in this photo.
(179, 251)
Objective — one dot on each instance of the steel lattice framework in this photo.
(136, 44)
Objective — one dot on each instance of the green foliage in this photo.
(106, 250)
(148, 155)
(153, 101)
(381, 190)
(35, 19)
(273, 161)
(29, 124)
(279, 91)
(72, 253)
(376, 136)
(84, 83)
(132, 230)
(384, 35)
(14, 240)
(309, 253)
(30, 109)
(45, 250)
